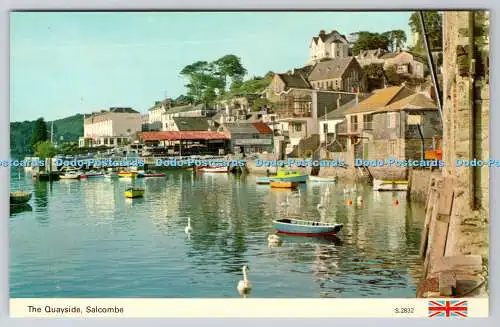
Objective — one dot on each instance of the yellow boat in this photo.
(289, 175)
(134, 192)
(127, 174)
(279, 184)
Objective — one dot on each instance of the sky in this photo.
(64, 63)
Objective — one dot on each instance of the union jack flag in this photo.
(447, 308)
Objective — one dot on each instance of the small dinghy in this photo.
(19, 197)
(299, 227)
(134, 192)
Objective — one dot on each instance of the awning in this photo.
(182, 135)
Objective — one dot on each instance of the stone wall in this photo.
(420, 183)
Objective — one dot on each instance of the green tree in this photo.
(434, 26)
(204, 80)
(39, 132)
(68, 148)
(44, 149)
(397, 39)
(392, 76)
(374, 70)
(370, 41)
(230, 66)
(183, 100)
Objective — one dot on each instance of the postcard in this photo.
(233, 164)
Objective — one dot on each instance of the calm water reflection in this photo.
(84, 239)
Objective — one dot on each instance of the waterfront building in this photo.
(186, 142)
(111, 128)
(248, 138)
(155, 115)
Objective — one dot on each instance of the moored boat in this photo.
(127, 174)
(70, 175)
(390, 185)
(19, 197)
(220, 170)
(262, 180)
(93, 175)
(111, 175)
(282, 184)
(285, 175)
(321, 179)
(299, 227)
(154, 175)
(134, 192)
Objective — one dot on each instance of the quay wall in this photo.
(420, 183)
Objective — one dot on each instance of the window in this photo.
(338, 53)
(325, 128)
(391, 120)
(255, 136)
(354, 123)
(368, 121)
(391, 148)
(297, 127)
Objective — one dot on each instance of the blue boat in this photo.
(289, 176)
(290, 226)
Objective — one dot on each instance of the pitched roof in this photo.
(328, 69)
(262, 128)
(341, 112)
(248, 128)
(123, 110)
(185, 108)
(333, 35)
(191, 123)
(183, 135)
(391, 99)
(297, 81)
(417, 101)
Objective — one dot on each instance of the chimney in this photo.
(322, 32)
(293, 71)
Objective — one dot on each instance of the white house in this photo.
(328, 46)
(110, 128)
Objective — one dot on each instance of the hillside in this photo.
(69, 128)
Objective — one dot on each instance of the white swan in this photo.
(273, 239)
(244, 286)
(360, 199)
(354, 189)
(346, 190)
(188, 228)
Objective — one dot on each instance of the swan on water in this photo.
(188, 228)
(273, 239)
(244, 286)
(360, 199)
(346, 190)
(354, 189)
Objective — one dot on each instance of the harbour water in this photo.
(84, 239)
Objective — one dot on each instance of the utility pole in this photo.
(431, 65)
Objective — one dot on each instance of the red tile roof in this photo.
(263, 128)
(183, 135)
